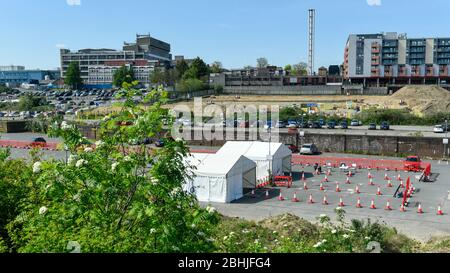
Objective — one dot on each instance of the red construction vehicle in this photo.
(412, 164)
(282, 181)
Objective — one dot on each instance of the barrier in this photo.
(16, 144)
(358, 163)
(283, 181)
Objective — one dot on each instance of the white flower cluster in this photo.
(114, 166)
(210, 209)
(346, 236)
(72, 159)
(323, 216)
(333, 231)
(88, 150)
(152, 231)
(80, 163)
(175, 191)
(65, 126)
(43, 210)
(154, 181)
(319, 244)
(37, 167)
(99, 144)
(127, 158)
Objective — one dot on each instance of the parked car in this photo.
(303, 124)
(412, 163)
(439, 129)
(372, 126)
(385, 126)
(355, 122)
(344, 125)
(280, 124)
(309, 149)
(38, 142)
(331, 125)
(321, 122)
(316, 125)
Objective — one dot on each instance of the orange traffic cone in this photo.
(379, 191)
(419, 209)
(280, 198)
(402, 208)
(371, 182)
(305, 187)
(372, 204)
(349, 174)
(325, 179)
(267, 194)
(321, 187)
(341, 202)
(303, 176)
(388, 205)
(358, 203)
(311, 200)
(369, 175)
(357, 189)
(295, 199)
(348, 180)
(439, 211)
(325, 202)
(337, 188)
(389, 183)
(386, 177)
(401, 184)
(329, 172)
(399, 178)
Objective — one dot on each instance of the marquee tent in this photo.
(275, 156)
(220, 178)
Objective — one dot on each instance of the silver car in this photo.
(309, 149)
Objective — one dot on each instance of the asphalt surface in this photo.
(419, 226)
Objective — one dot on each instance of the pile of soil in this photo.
(420, 99)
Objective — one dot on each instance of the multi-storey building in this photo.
(16, 75)
(97, 66)
(380, 59)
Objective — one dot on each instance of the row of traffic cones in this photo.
(388, 206)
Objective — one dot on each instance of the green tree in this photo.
(300, 69)
(181, 68)
(28, 102)
(114, 198)
(197, 70)
(262, 62)
(216, 67)
(157, 76)
(288, 68)
(123, 75)
(73, 76)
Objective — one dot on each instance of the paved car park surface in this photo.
(420, 226)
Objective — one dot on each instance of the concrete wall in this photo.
(7, 126)
(365, 144)
(283, 90)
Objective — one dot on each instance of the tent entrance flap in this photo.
(249, 179)
(287, 165)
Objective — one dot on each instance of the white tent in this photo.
(274, 155)
(220, 178)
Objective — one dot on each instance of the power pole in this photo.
(311, 40)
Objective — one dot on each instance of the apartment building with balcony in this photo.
(390, 58)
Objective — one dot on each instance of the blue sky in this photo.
(235, 32)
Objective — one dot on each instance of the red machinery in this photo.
(282, 181)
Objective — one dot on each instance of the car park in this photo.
(316, 125)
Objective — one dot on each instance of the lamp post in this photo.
(445, 141)
(66, 149)
(269, 157)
